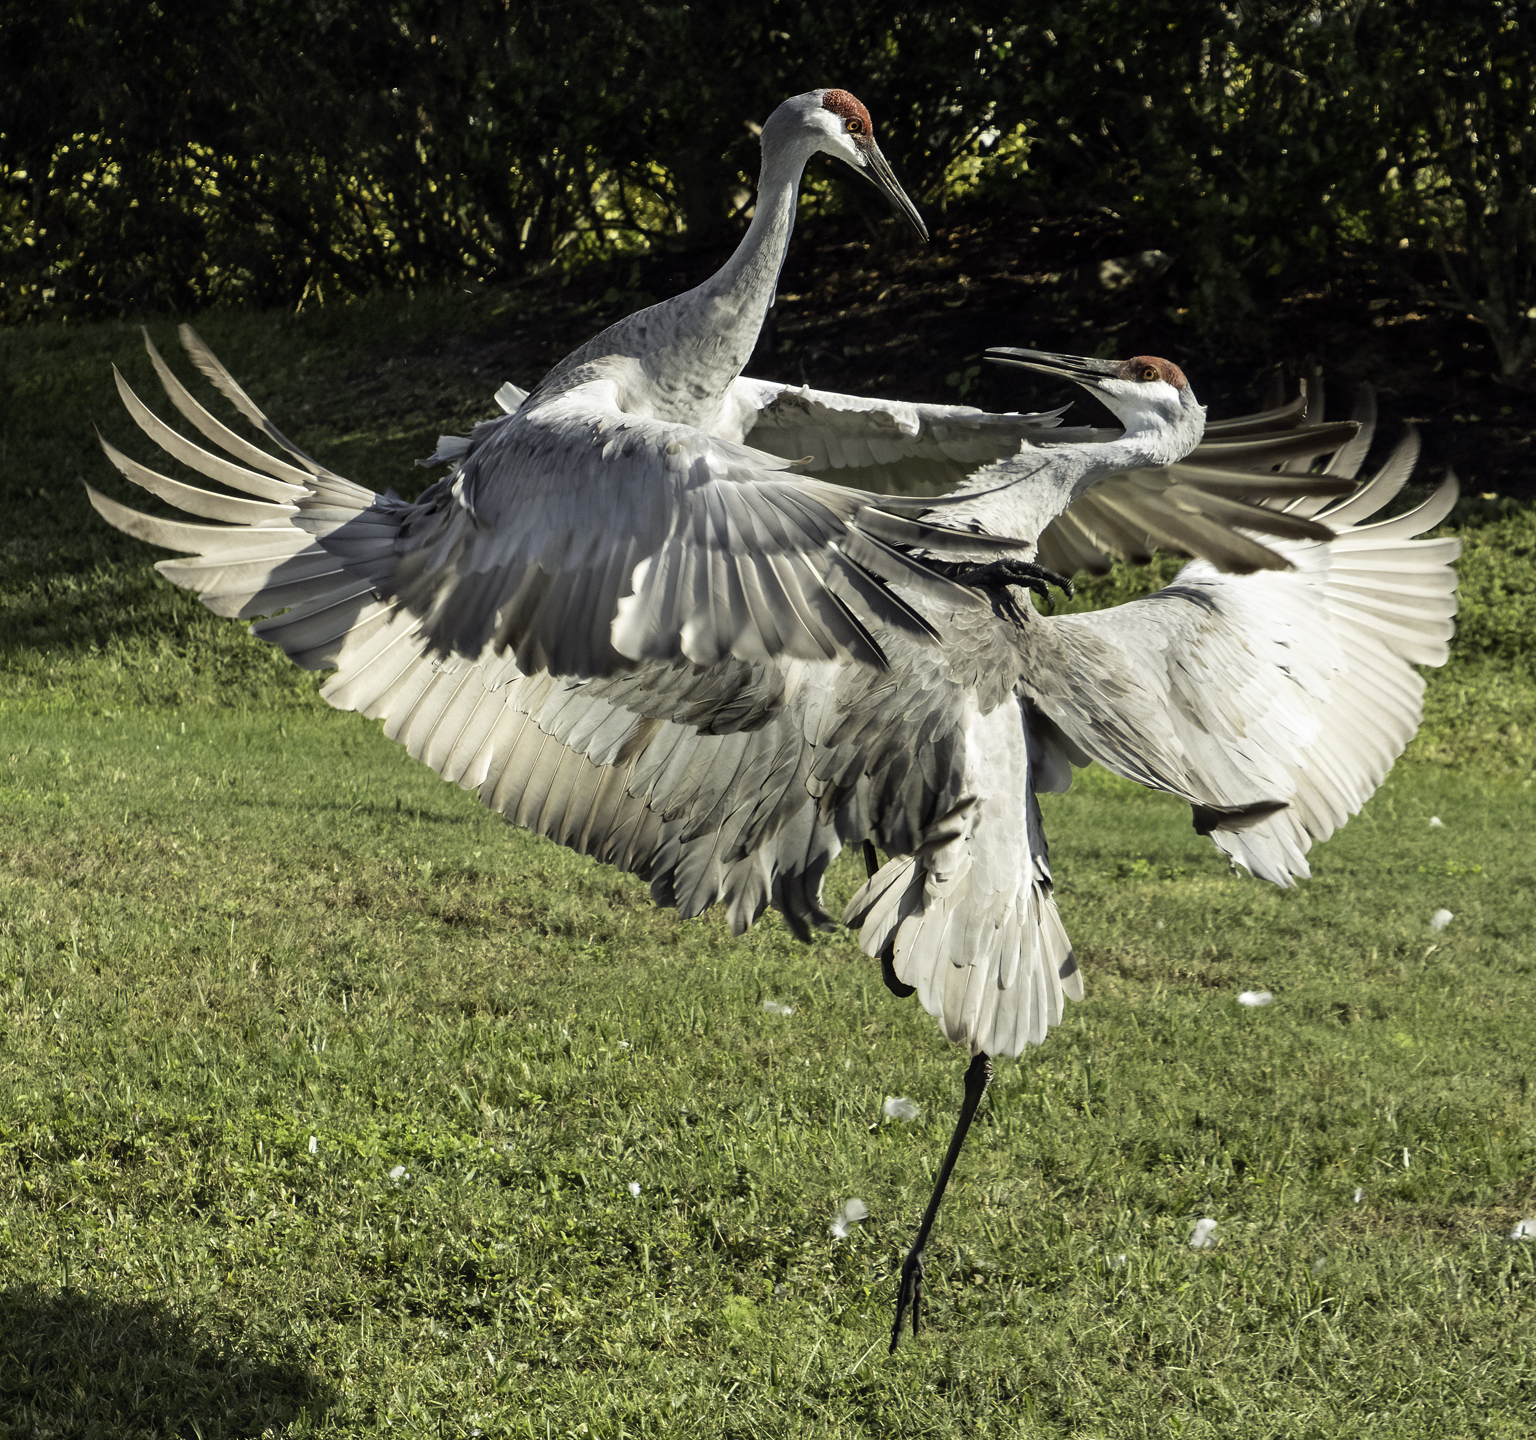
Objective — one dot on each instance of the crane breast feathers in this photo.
(967, 920)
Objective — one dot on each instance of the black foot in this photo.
(999, 574)
(909, 1294)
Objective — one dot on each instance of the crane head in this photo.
(1147, 393)
(837, 123)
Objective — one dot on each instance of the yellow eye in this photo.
(855, 125)
(1148, 373)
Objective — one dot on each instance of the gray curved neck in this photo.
(692, 347)
(1029, 490)
(751, 275)
(735, 300)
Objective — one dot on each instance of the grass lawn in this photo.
(330, 1104)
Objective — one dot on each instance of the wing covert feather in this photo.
(1242, 476)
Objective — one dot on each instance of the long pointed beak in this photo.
(878, 172)
(1084, 369)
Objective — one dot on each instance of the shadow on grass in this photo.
(72, 1363)
(71, 598)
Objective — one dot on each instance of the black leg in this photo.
(887, 967)
(909, 1293)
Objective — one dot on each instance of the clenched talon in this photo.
(1000, 574)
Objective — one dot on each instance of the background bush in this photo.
(270, 149)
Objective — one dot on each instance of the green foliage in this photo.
(1482, 712)
(1260, 139)
(1496, 610)
(273, 152)
(269, 152)
(1466, 160)
(1201, 124)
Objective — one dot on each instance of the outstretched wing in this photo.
(735, 783)
(1275, 703)
(577, 537)
(1245, 466)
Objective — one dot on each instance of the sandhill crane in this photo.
(1272, 701)
(614, 516)
(628, 624)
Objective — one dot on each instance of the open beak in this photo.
(878, 172)
(1084, 369)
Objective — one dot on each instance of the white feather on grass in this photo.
(849, 1213)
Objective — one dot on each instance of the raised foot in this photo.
(999, 574)
(909, 1294)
